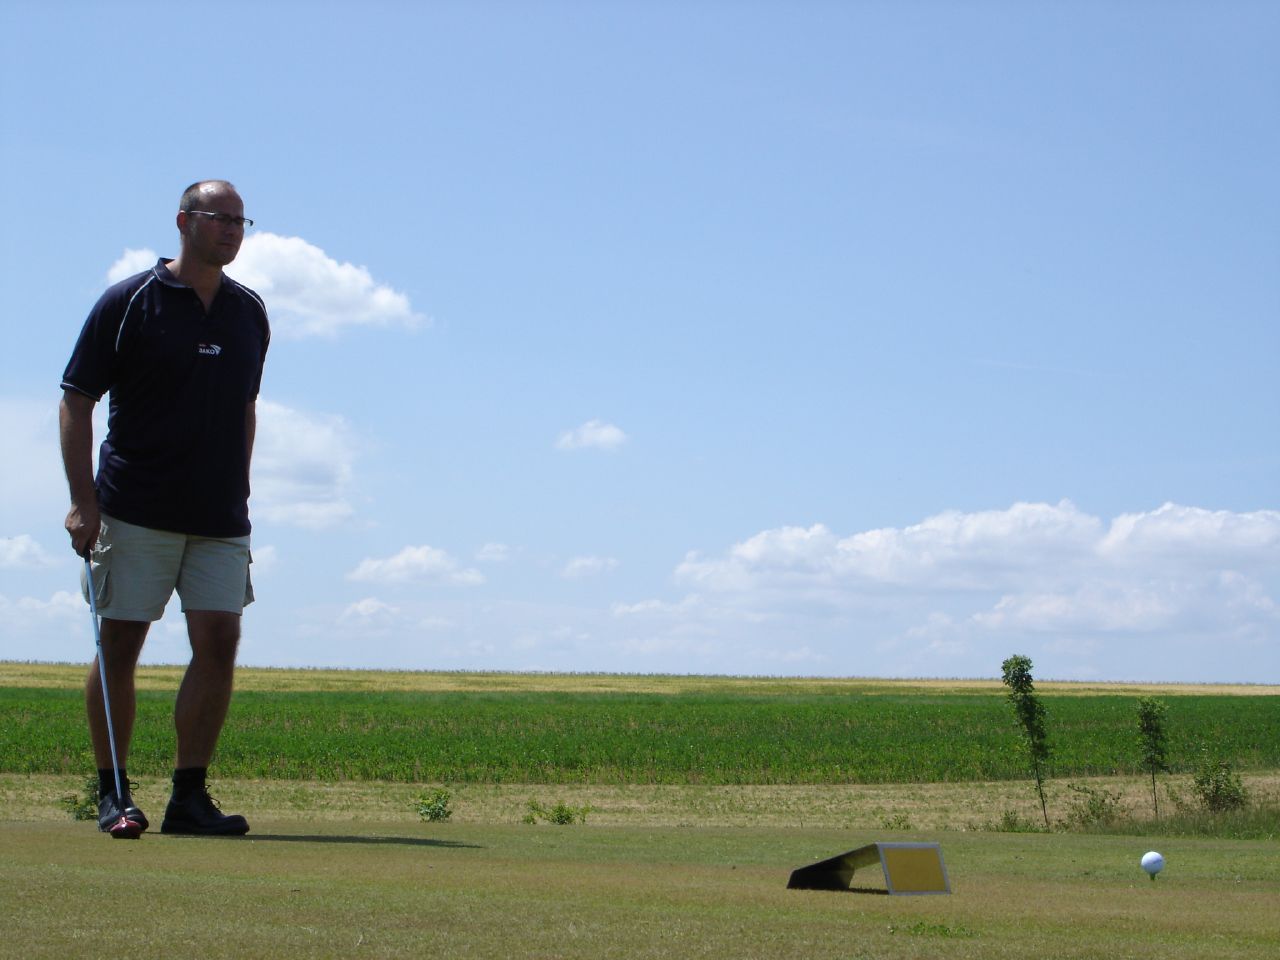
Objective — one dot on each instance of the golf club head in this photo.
(125, 829)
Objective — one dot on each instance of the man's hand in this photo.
(83, 523)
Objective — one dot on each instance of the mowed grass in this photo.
(460, 728)
(309, 890)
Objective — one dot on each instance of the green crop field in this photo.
(775, 732)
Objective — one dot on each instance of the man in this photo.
(180, 347)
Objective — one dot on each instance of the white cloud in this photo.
(26, 612)
(131, 262)
(265, 558)
(1192, 534)
(22, 552)
(650, 607)
(370, 610)
(58, 630)
(424, 563)
(308, 293)
(1222, 600)
(594, 434)
(302, 467)
(1025, 545)
(958, 588)
(1095, 605)
(951, 550)
(493, 553)
(580, 567)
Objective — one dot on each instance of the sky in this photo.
(857, 339)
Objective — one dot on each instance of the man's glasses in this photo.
(224, 219)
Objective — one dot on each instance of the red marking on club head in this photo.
(125, 829)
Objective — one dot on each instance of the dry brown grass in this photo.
(71, 676)
(931, 806)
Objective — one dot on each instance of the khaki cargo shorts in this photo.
(136, 570)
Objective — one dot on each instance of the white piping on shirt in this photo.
(256, 298)
(124, 319)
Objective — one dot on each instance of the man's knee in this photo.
(214, 634)
(122, 641)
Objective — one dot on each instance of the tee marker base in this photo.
(909, 869)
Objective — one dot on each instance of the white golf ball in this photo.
(1153, 863)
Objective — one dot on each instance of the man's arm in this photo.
(250, 428)
(75, 431)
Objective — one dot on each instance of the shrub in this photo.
(1217, 786)
(433, 806)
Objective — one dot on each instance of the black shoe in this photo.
(197, 814)
(111, 811)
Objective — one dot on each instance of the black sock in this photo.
(107, 781)
(189, 780)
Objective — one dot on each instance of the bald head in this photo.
(195, 195)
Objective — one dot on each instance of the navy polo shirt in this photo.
(176, 452)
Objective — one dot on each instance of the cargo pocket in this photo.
(248, 581)
(101, 563)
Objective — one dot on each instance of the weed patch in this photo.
(562, 814)
(82, 805)
(1093, 806)
(433, 806)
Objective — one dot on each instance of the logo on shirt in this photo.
(208, 349)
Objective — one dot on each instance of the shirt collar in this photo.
(161, 271)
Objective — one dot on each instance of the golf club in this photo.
(124, 828)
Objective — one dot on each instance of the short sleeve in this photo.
(91, 368)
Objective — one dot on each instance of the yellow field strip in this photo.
(71, 676)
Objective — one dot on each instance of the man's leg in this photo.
(121, 645)
(205, 693)
(201, 709)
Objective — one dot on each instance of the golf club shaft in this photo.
(102, 675)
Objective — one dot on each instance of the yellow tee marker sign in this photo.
(908, 868)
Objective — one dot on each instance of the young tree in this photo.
(1153, 742)
(1030, 713)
